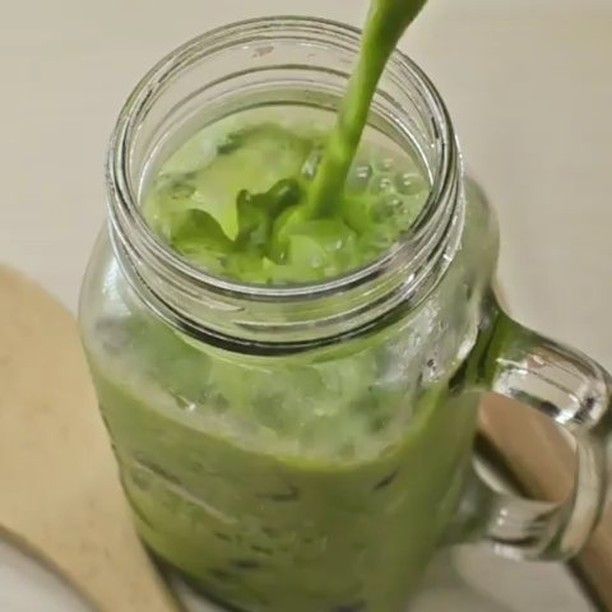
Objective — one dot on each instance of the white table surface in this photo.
(529, 86)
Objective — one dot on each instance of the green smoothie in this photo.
(233, 199)
(308, 483)
(263, 210)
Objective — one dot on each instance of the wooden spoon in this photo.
(542, 461)
(59, 492)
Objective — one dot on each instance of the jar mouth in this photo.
(264, 319)
(134, 232)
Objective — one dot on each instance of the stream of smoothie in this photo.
(285, 485)
(277, 203)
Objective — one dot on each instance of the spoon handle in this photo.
(60, 495)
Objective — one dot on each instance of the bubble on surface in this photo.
(410, 183)
(382, 184)
(388, 208)
(360, 177)
(311, 165)
(385, 163)
(181, 190)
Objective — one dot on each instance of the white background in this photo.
(528, 83)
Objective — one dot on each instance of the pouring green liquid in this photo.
(292, 226)
(388, 20)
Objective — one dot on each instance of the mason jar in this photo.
(308, 447)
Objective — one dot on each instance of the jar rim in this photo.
(124, 201)
(396, 271)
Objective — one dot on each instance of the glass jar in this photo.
(307, 448)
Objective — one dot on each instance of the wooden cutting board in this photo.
(59, 492)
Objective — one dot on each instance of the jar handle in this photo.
(572, 390)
